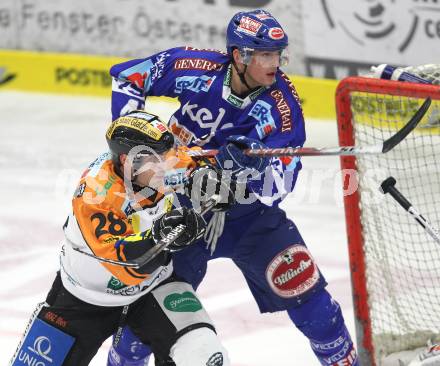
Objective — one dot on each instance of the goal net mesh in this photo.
(402, 262)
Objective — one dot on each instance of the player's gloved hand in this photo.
(231, 156)
(135, 245)
(195, 227)
(206, 181)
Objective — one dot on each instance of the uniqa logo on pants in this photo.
(40, 349)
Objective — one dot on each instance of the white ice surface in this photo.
(45, 143)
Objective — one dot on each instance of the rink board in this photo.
(77, 74)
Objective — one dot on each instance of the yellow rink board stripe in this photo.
(317, 96)
(391, 113)
(57, 73)
(77, 74)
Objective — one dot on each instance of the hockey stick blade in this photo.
(380, 148)
(411, 125)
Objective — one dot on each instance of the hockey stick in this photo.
(381, 148)
(152, 253)
(388, 186)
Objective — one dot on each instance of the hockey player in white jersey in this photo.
(120, 211)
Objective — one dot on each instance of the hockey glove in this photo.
(206, 181)
(195, 227)
(232, 157)
(135, 245)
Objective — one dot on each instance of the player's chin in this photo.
(268, 79)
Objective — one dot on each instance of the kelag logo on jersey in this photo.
(194, 83)
(261, 112)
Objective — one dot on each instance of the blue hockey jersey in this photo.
(209, 112)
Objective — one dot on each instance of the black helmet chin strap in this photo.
(241, 74)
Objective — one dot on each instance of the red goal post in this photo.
(368, 110)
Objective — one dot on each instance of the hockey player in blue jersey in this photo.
(230, 101)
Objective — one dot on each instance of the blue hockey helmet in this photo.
(255, 30)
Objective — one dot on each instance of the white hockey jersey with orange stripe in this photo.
(102, 213)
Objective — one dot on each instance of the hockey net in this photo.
(395, 265)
